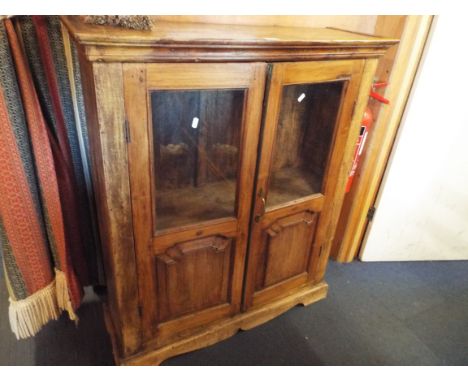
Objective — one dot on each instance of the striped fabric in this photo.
(43, 44)
(45, 215)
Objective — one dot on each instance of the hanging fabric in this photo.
(44, 48)
(44, 228)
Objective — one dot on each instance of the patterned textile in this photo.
(44, 210)
(43, 44)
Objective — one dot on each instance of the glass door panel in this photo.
(306, 124)
(196, 147)
(307, 130)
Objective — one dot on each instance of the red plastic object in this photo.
(366, 126)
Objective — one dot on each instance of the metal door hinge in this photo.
(269, 70)
(371, 213)
(127, 132)
(354, 108)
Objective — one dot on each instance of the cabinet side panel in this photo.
(336, 183)
(89, 96)
(103, 94)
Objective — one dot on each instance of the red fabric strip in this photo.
(49, 70)
(63, 159)
(18, 212)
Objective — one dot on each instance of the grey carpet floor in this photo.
(412, 313)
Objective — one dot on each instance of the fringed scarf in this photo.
(41, 238)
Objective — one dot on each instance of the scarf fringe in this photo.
(29, 315)
(63, 297)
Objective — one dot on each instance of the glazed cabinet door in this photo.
(306, 128)
(193, 136)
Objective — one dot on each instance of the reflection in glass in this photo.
(305, 130)
(196, 149)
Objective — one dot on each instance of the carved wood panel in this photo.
(287, 244)
(193, 276)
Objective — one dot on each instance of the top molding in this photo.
(197, 42)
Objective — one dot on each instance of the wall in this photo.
(422, 209)
(362, 24)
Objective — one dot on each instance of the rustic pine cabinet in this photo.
(220, 156)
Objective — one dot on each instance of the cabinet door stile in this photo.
(248, 164)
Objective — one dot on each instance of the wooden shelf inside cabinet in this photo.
(212, 221)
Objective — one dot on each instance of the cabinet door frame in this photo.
(324, 203)
(139, 80)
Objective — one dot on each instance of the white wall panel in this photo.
(422, 209)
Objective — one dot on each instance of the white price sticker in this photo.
(301, 97)
(195, 122)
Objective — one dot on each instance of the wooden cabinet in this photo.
(220, 156)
